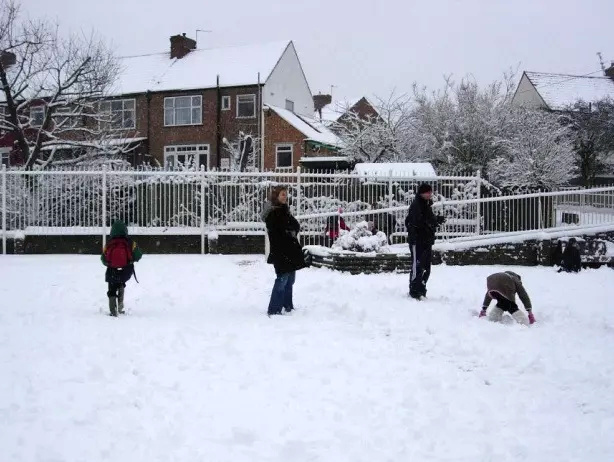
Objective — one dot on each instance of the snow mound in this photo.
(361, 239)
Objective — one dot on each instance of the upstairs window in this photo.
(37, 116)
(246, 106)
(290, 105)
(225, 103)
(119, 114)
(65, 117)
(183, 110)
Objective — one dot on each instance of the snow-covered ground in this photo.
(197, 372)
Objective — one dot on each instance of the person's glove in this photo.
(482, 313)
(531, 318)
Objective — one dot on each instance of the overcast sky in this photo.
(366, 47)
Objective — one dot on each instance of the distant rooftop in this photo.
(236, 66)
(562, 91)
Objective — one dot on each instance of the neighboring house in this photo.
(331, 113)
(560, 92)
(179, 105)
(292, 138)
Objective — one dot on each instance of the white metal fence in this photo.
(198, 202)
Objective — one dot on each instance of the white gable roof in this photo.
(236, 66)
(398, 169)
(561, 91)
(313, 129)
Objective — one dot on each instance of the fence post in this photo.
(298, 190)
(202, 209)
(540, 224)
(390, 189)
(478, 215)
(104, 206)
(3, 209)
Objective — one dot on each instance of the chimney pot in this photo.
(181, 45)
(7, 58)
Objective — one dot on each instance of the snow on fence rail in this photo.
(193, 202)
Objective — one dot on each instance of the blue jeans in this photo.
(281, 297)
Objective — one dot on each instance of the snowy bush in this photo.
(361, 239)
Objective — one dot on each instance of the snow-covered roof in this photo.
(236, 66)
(398, 169)
(313, 129)
(325, 159)
(331, 112)
(561, 91)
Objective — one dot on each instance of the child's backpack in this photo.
(118, 253)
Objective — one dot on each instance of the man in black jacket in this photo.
(421, 224)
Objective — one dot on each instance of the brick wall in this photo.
(278, 131)
(230, 126)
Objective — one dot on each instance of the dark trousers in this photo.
(421, 256)
(114, 288)
(503, 303)
(281, 296)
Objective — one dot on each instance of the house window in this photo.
(183, 110)
(246, 106)
(290, 105)
(37, 116)
(5, 157)
(283, 156)
(225, 103)
(190, 155)
(120, 114)
(66, 117)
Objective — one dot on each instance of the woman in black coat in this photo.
(286, 253)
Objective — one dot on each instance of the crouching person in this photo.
(503, 287)
(119, 256)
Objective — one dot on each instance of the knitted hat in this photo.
(424, 188)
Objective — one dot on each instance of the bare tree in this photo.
(381, 138)
(242, 151)
(52, 86)
(592, 134)
(462, 125)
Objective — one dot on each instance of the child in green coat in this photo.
(119, 256)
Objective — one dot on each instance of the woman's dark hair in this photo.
(275, 192)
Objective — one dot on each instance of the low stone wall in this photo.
(525, 253)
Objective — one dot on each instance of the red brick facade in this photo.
(278, 132)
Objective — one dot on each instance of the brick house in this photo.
(179, 106)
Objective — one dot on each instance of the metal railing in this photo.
(197, 202)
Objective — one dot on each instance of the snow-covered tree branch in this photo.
(52, 86)
(242, 151)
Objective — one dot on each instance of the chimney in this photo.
(319, 101)
(181, 46)
(609, 72)
(7, 59)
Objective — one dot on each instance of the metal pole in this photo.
(3, 209)
(478, 215)
(202, 210)
(104, 206)
(390, 189)
(298, 190)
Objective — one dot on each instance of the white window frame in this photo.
(284, 145)
(64, 113)
(33, 109)
(291, 103)
(176, 150)
(226, 103)
(123, 110)
(192, 107)
(5, 156)
(253, 98)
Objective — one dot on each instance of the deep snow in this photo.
(197, 372)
